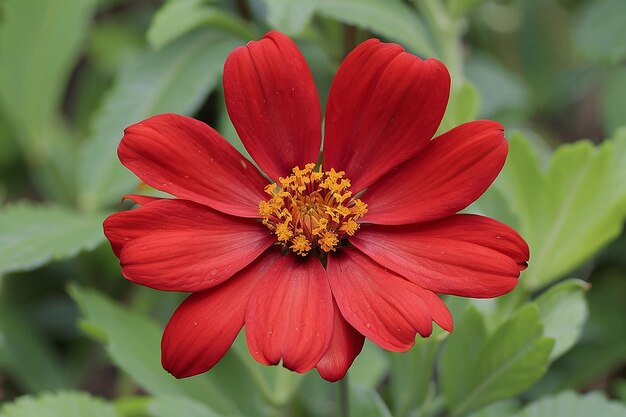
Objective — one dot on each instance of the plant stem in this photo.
(244, 9)
(447, 31)
(349, 39)
(344, 399)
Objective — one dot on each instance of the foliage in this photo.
(33, 235)
(64, 404)
(75, 73)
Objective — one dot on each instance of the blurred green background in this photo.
(76, 339)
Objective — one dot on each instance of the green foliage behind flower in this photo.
(75, 73)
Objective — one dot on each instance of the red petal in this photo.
(188, 159)
(140, 199)
(205, 325)
(178, 245)
(273, 104)
(290, 314)
(466, 255)
(384, 106)
(447, 176)
(345, 345)
(383, 306)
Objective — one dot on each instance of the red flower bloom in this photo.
(318, 259)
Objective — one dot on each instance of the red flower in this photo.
(318, 259)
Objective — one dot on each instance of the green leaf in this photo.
(569, 404)
(168, 406)
(133, 406)
(613, 111)
(63, 404)
(37, 59)
(493, 204)
(509, 361)
(545, 37)
(602, 348)
(498, 409)
(176, 18)
(290, 16)
(112, 42)
(462, 7)
(389, 18)
(226, 128)
(33, 235)
(462, 107)
(412, 373)
(514, 357)
(620, 390)
(563, 310)
(9, 150)
(134, 341)
(365, 402)
(569, 211)
(599, 31)
(236, 384)
(500, 89)
(27, 355)
(459, 353)
(53, 166)
(276, 383)
(174, 79)
(371, 366)
(32, 84)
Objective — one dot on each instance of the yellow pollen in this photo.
(328, 241)
(283, 232)
(311, 209)
(350, 227)
(301, 245)
(323, 224)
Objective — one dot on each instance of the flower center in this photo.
(311, 209)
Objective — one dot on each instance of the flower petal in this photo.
(451, 173)
(188, 159)
(273, 104)
(178, 245)
(381, 305)
(140, 199)
(384, 106)
(466, 255)
(290, 314)
(345, 346)
(205, 325)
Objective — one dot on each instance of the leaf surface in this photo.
(134, 341)
(389, 18)
(569, 404)
(502, 365)
(174, 79)
(571, 209)
(62, 404)
(32, 235)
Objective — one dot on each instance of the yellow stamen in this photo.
(350, 227)
(328, 241)
(311, 209)
(323, 223)
(283, 232)
(301, 245)
(358, 209)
